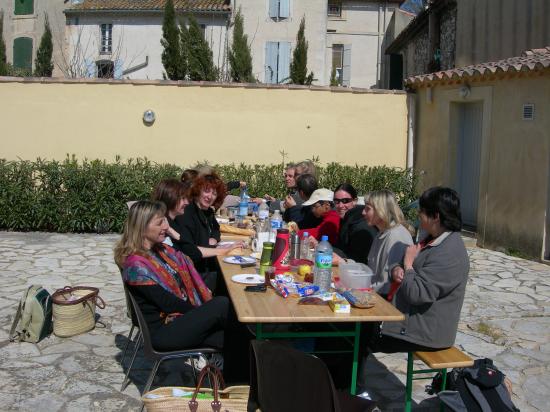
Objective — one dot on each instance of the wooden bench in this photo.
(438, 361)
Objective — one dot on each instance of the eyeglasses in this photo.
(344, 200)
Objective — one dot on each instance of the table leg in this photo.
(355, 365)
(259, 334)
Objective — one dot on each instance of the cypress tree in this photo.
(240, 58)
(3, 65)
(201, 64)
(172, 59)
(43, 64)
(298, 66)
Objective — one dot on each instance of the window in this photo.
(338, 61)
(105, 69)
(106, 45)
(277, 62)
(23, 7)
(334, 9)
(22, 53)
(341, 63)
(279, 9)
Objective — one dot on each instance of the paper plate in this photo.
(248, 279)
(256, 255)
(239, 260)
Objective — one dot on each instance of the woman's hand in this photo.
(289, 202)
(212, 241)
(173, 234)
(312, 242)
(397, 274)
(410, 256)
(269, 198)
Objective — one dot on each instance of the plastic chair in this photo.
(159, 356)
(286, 379)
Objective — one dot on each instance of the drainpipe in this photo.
(378, 47)
(411, 115)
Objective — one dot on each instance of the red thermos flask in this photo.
(281, 252)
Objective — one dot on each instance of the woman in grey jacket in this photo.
(432, 281)
(389, 246)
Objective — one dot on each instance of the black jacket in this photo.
(196, 227)
(355, 237)
(303, 216)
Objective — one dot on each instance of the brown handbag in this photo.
(232, 398)
(74, 310)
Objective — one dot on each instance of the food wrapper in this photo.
(312, 300)
(280, 288)
(359, 298)
(340, 306)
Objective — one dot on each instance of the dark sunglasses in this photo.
(345, 200)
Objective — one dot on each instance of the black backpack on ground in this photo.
(479, 388)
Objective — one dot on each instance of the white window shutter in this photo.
(284, 8)
(271, 50)
(284, 62)
(273, 9)
(118, 69)
(346, 69)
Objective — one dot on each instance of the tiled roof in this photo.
(150, 5)
(530, 60)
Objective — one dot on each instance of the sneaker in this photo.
(365, 395)
(199, 363)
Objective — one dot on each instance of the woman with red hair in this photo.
(200, 232)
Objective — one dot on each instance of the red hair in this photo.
(210, 181)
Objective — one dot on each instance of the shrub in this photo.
(91, 195)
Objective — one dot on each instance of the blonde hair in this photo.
(386, 208)
(140, 215)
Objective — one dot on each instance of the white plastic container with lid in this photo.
(355, 275)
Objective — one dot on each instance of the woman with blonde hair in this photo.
(176, 304)
(389, 246)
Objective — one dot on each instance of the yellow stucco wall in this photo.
(196, 123)
(515, 157)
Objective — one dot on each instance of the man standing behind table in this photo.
(302, 215)
(290, 182)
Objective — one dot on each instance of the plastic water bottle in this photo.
(263, 210)
(304, 247)
(322, 276)
(276, 221)
(243, 203)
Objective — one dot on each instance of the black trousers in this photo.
(213, 324)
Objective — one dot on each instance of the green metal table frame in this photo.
(355, 334)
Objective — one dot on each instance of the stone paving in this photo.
(506, 317)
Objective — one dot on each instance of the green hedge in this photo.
(91, 196)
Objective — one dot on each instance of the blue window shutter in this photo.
(284, 8)
(346, 70)
(91, 69)
(271, 51)
(273, 9)
(284, 62)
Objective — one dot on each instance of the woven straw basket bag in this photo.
(74, 310)
(230, 399)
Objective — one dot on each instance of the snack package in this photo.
(359, 298)
(280, 288)
(340, 306)
(312, 300)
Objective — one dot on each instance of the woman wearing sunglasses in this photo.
(355, 235)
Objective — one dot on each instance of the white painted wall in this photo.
(362, 24)
(137, 37)
(260, 29)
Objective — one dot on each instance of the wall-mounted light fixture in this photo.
(464, 91)
(149, 117)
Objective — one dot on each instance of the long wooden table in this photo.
(268, 307)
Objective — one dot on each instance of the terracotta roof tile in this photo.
(534, 59)
(150, 5)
